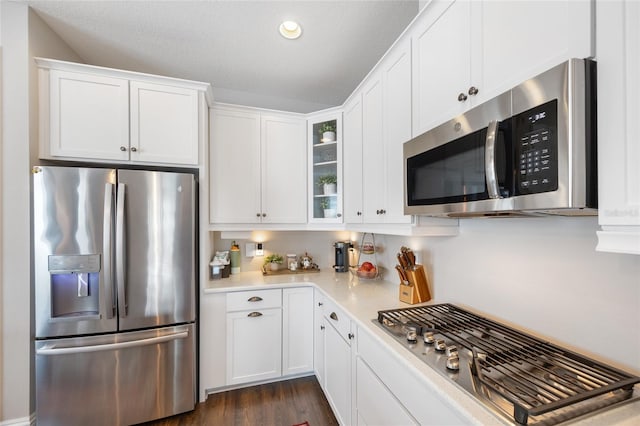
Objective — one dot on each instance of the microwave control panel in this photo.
(536, 149)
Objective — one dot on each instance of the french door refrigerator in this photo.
(114, 267)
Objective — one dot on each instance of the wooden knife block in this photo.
(418, 289)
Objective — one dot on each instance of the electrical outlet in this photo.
(259, 250)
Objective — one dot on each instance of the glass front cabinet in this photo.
(325, 168)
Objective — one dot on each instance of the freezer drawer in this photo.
(116, 379)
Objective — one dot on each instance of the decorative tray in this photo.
(288, 271)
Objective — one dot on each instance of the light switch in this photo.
(259, 250)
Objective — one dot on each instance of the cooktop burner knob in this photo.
(452, 351)
(412, 337)
(440, 345)
(453, 363)
(428, 337)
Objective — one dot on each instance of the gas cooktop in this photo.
(520, 377)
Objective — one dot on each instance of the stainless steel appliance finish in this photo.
(114, 260)
(521, 378)
(529, 151)
(115, 379)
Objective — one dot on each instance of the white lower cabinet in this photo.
(337, 355)
(254, 345)
(375, 404)
(297, 330)
(403, 389)
(318, 335)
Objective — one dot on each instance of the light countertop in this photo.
(362, 299)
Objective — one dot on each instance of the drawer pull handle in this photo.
(254, 299)
(254, 314)
(333, 316)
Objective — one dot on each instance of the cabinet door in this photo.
(353, 160)
(234, 167)
(618, 46)
(441, 64)
(89, 116)
(325, 168)
(297, 329)
(284, 170)
(164, 124)
(396, 83)
(254, 350)
(516, 40)
(375, 404)
(337, 355)
(373, 164)
(318, 336)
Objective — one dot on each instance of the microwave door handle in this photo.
(107, 241)
(120, 251)
(490, 160)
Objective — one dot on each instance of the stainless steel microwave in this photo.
(530, 151)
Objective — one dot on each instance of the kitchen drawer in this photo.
(338, 319)
(254, 299)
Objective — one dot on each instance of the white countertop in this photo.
(362, 299)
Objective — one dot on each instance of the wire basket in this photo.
(367, 254)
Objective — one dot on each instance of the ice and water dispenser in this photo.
(75, 285)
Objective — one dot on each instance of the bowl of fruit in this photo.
(367, 270)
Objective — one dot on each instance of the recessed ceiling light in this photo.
(290, 30)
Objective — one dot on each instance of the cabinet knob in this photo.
(358, 213)
(322, 327)
(264, 215)
(473, 90)
(254, 314)
(257, 214)
(339, 215)
(333, 316)
(254, 299)
(320, 303)
(123, 148)
(134, 149)
(462, 97)
(351, 336)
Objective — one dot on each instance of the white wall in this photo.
(24, 34)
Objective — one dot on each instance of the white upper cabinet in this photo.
(466, 52)
(257, 167)
(164, 124)
(105, 115)
(441, 63)
(352, 134)
(618, 47)
(284, 169)
(78, 131)
(325, 167)
(373, 164)
(234, 166)
(396, 97)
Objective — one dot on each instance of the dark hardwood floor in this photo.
(285, 403)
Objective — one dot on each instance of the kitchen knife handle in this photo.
(107, 251)
(120, 251)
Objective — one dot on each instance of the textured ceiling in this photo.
(235, 45)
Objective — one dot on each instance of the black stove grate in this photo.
(535, 376)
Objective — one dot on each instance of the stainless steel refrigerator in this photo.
(114, 267)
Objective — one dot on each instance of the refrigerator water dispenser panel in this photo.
(75, 286)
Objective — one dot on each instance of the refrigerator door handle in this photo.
(120, 251)
(107, 240)
(53, 350)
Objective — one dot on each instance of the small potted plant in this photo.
(328, 131)
(274, 261)
(326, 208)
(328, 184)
